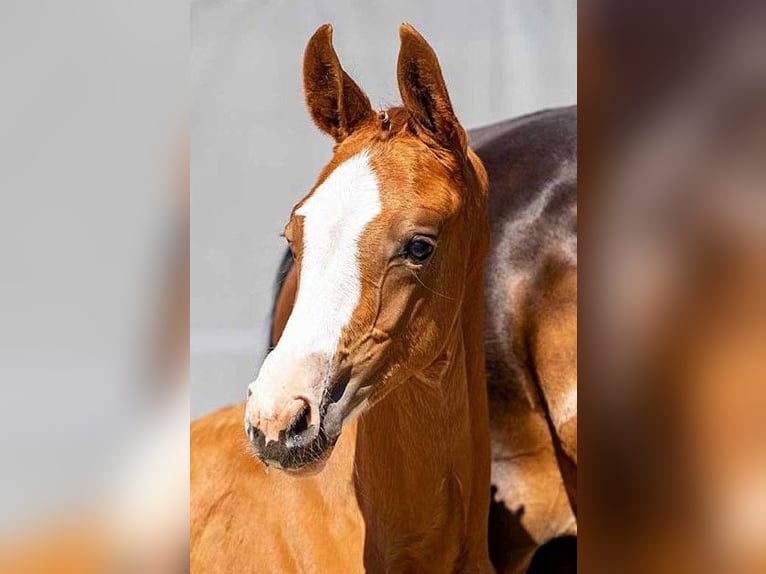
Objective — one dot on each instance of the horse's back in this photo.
(532, 167)
(218, 460)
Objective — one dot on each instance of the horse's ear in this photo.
(424, 92)
(337, 105)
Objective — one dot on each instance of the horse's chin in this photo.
(306, 461)
(312, 468)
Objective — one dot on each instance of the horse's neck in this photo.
(414, 428)
(415, 453)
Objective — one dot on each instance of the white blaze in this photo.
(334, 218)
(330, 284)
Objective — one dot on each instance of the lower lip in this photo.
(309, 469)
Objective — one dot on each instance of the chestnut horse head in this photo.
(383, 244)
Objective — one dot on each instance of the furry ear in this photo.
(424, 93)
(336, 104)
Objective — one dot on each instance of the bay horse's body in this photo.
(531, 329)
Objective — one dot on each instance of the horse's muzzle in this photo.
(297, 429)
(301, 446)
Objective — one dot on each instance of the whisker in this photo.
(415, 275)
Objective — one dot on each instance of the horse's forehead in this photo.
(387, 179)
(349, 195)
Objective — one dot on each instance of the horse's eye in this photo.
(290, 246)
(418, 250)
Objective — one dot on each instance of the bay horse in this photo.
(530, 333)
(381, 362)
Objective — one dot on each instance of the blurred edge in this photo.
(672, 187)
(94, 296)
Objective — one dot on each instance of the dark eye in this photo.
(418, 250)
(289, 246)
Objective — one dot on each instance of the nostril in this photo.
(339, 389)
(299, 423)
(249, 392)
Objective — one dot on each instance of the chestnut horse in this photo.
(381, 360)
(531, 331)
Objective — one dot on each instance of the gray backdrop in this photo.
(255, 152)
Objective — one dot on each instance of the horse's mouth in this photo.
(310, 465)
(303, 453)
